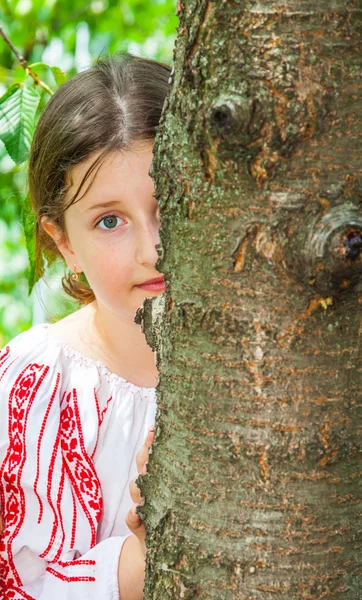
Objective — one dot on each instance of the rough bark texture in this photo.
(254, 486)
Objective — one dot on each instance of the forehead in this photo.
(117, 175)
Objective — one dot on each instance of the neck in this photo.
(119, 338)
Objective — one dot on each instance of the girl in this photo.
(77, 397)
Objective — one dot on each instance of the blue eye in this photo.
(110, 222)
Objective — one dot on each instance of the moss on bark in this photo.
(254, 485)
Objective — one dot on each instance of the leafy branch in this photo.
(18, 113)
(24, 63)
(19, 106)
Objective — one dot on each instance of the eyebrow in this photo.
(103, 205)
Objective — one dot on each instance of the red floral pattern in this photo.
(38, 450)
(59, 466)
(21, 398)
(14, 593)
(78, 463)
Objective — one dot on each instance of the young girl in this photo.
(77, 398)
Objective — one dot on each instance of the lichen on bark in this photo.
(253, 490)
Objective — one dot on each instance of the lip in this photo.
(154, 285)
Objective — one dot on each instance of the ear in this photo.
(63, 245)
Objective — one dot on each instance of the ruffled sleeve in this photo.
(51, 497)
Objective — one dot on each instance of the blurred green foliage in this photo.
(68, 35)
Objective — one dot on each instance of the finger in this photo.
(150, 437)
(142, 455)
(1, 525)
(135, 492)
(141, 459)
(134, 523)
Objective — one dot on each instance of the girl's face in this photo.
(113, 230)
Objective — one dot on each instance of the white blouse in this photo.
(69, 434)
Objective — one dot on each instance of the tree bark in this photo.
(254, 485)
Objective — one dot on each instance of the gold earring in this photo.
(75, 275)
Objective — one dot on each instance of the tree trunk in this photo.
(254, 486)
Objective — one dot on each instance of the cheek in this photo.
(110, 267)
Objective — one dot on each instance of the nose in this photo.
(148, 238)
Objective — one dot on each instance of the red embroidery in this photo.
(105, 409)
(58, 519)
(98, 408)
(4, 569)
(101, 416)
(4, 355)
(7, 368)
(76, 463)
(68, 579)
(74, 523)
(99, 422)
(14, 593)
(75, 563)
(59, 502)
(21, 399)
(41, 434)
(79, 465)
(49, 497)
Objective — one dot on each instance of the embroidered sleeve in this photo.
(50, 496)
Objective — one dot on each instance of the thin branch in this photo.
(24, 63)
(20, 58)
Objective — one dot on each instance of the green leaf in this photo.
(59, 76)
(17, 120)
(28, 221)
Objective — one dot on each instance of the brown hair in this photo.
(108, 107)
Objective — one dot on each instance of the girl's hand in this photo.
(1, 525)
(133, 520)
